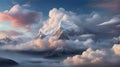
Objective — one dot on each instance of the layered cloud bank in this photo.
(97, 57)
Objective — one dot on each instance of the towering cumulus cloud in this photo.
(58, 22)
(19, 16)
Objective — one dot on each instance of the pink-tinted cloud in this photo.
(110, 4)
(118, 26)
(94, 58)
(20, 17)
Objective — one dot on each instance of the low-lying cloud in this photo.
(97, 57)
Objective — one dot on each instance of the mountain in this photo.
(7, 62)
(9, 40)
(59, 33)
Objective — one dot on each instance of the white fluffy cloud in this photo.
(67, 20)
(95, 57)
(99, 51)
(59, 19)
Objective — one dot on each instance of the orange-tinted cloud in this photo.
(20, 17)
(94, 58)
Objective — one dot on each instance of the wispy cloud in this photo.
(113, 5)
(113, 21)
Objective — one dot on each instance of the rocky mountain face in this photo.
(60, 33)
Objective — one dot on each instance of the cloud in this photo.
(11, 33)
(13, 2)
(43, 45)
(95, 57)
(114, 20)
(93, 17)
(111, 26)
(12, 37)
(26, 5)
(116, 49)
(110, 4)
(60, 45)
(54, 43)
(20, 17)
(72, 23)
(83, 35)
(59, 19)
(19, 47)
(80, 30)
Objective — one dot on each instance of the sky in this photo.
(104, 9)
(44, 6)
